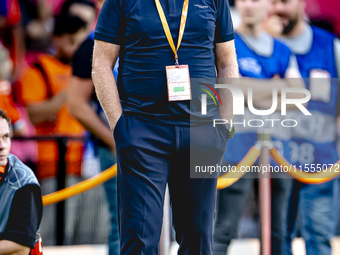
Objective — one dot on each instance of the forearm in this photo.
(230, 75)
(44, 111)
(91, 122)
(11, 248)
(107, 93)
(227, 73)
(104, 81)
(262, 90)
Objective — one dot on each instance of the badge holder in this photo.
(178, 81)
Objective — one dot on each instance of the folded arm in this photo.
(46, 110)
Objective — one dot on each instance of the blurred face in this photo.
(67, 45)
(252, 11)
(289, 12)
(86, 13)
(5, 141)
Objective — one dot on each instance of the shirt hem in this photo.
(226, 38)
(105, 38)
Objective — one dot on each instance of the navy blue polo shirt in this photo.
(145, 52)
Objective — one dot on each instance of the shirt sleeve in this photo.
(82, 60)
(224, 25)
(110, 25)
(25, 216)
(337, 55)
(33, 87)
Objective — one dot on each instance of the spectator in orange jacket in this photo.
(44, 88)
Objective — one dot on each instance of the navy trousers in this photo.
(149, 156)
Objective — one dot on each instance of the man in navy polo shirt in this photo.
(159, 42)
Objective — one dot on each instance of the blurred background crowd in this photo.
(37, 42)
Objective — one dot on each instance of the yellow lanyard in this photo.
(167, 29)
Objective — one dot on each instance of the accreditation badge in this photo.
(178, 81)
(320, 85)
